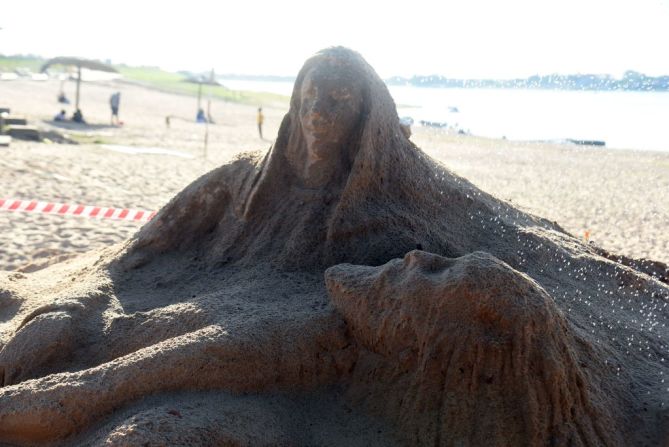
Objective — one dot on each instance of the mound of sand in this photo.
(511, 333)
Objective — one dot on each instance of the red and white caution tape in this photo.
(63, 209)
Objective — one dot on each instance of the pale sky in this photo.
(456, 38)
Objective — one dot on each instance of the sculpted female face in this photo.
(330, 110)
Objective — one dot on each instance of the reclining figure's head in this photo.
(477, 290)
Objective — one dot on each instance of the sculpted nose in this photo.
(427, 262)
(416, 258)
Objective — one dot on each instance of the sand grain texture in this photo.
(344, 271)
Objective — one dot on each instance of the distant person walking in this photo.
(261, 119)
(115, 102)
(200, 117)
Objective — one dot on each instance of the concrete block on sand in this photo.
(15, 120)
(24, 132)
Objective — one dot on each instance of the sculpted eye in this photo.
(333, 101)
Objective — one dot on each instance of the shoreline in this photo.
(620, 195)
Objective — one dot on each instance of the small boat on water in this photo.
(433, 124)
(586, 142)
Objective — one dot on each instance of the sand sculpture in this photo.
(342, 289)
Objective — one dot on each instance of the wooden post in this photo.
(199, 95)
(206, 139)
(206, 129)
(208, 116)
(76, 106)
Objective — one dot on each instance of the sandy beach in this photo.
(620, 196)
(346, 289)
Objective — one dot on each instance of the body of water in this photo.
(633, 120)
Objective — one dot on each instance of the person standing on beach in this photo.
(114, 102)
(261, 119)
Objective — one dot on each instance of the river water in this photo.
(622, 119)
